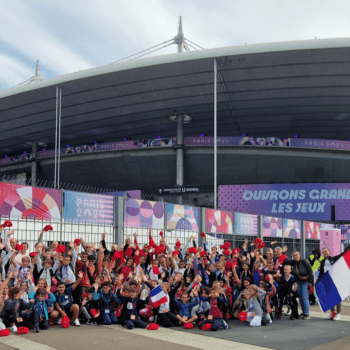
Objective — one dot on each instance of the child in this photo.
(201, 310)
(255, 311)
(40, 308)
(13, 307)
(64, 302)
(185, 307)
(215, 317)
(23, 268)
(288, 294)
(87, 305)
(3, 296)
(131, 304)
(66, 273)
(46, 272)
(106, 298)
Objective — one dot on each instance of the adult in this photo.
(315, 261)
(302, 271)
(325, 266)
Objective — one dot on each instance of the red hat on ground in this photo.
(206, 327)
(22, 330)
(188, 326)
(5, 332)
(153, 327)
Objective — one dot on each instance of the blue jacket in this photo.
(131, 306)
(46, 302)
(185, 309)
(106, 300)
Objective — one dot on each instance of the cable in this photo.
(195, 44)
(191, 46)
(150, 52)
(142, 51)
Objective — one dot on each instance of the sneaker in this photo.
(76, 323)
(288, 311)
(59, 321)
(36, 329)
(280, 317)
(336, 317)
(224, 325)
(93, 323)
(13, 328)
(270, 321)
(307, 317)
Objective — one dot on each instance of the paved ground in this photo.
(282, 335)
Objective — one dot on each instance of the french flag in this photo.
(334, 286)
(158, 297)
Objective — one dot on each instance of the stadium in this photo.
(147, 125)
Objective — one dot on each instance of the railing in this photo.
(188, 141)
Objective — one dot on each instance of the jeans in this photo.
(44, 324)
(130, 324)
(215, 323)
(110, 318)
(304, 297)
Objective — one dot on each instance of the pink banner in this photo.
(331, 239)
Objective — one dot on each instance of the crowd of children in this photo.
(134, 286)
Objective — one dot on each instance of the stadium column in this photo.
(180, 152)
(202, 224)
(302, 234)
(34, 162)
(119, 220)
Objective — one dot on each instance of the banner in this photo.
(218, 221)
(272, 227)
(140, 213)
(315, 143)
(246, 224)
(22, 202)
(88, 208)
(331, 239)
(181, 217)
(299, 201)
(345, 232)
(312, 230)
(209, 141)
(291, 228)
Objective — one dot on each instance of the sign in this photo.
(246, 224)
(139, 213)
(178, 190)
(331, 239)
(311, 201)
(182, 217)
(88, 208)
(23, 202)
(218, 221)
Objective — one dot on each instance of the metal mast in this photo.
(179, 40)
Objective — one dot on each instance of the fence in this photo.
(87, 216)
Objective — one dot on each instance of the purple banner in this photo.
(299, 201)
(114, 145)
(209, 141)
(315, 143)
(261, 141)
(246, 224)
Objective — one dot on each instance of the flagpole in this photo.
(215, 135)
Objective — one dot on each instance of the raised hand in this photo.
(104, 234)
(10, 233)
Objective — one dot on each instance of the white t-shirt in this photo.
(327, 265)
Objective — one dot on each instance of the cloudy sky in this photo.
(78, 34)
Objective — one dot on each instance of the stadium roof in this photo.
(275, 89)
